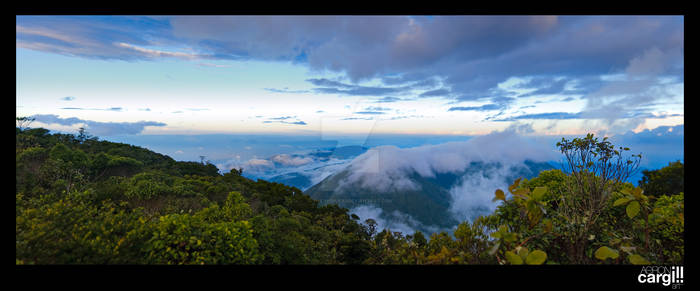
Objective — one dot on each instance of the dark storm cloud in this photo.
(418, 55)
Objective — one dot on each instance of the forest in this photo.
(82, 200)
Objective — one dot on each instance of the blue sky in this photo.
(339, 75)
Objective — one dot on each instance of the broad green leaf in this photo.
(536, 257)
(605, 252)
(523, 252)
(499, 195)
(515, 185)
(534, 216)
(621, 201)
(522, 192)
(632, 209)
(513, 258)
(637, 192)
(510, 237)
(539, 192)
(638, 260)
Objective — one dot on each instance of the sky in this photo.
(330, 76)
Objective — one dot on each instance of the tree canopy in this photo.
(81, 200)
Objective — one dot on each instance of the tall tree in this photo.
(596, 169)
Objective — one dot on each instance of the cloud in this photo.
(580, 115)
(287, 160)
(314, 167)
(387, 100)
(394, 221)
(638, 89)
(551, 87)
(99, 128)
(152, 53)
(286, 90)
(437, 92)
(377, 108)
(358, 118)
(406, 117)
(547, 115)
(334, 87)
(658, 146)
(99, 109)
(284, 119)
(102, 37)
(370, 112)
(485, 107)
(387, 166)
(415, 56)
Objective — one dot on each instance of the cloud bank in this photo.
(98, 128)
(386, 167)
(502, 154)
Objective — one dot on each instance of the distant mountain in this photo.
(300, 175)
(427, 203)
(341, 153)
(293, 179)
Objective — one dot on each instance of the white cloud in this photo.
(288, 160)
(387, 167)
(394, 221)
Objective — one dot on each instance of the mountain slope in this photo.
(428, 201)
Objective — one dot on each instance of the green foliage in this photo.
(638, 260)
(536, 257)
(665, 181)
(604, 253)
(190, 239)
(81, 200)
(84, 201)
(74, 231)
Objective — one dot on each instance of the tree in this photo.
(665, 181)
(596, 170)
(24, 121)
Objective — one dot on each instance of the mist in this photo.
(502, 155)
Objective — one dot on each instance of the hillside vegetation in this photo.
(80, 200)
